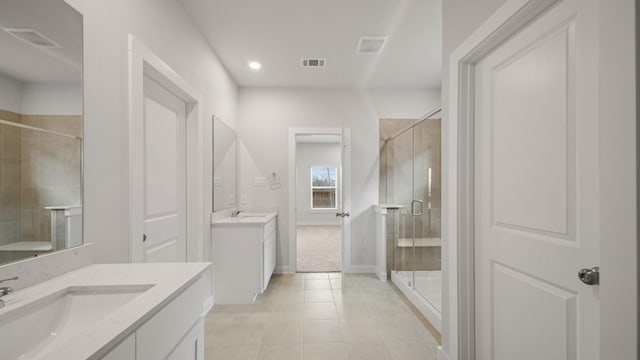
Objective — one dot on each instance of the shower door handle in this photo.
(415, 212)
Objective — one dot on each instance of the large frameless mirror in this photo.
(40, 128)
(224, 165)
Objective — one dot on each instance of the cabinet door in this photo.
(269, 252)
(191, 347)
(160, 334)
(126, 350)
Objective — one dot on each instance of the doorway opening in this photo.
(318, 229)
(319, 199)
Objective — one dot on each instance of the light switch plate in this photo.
(259, 181)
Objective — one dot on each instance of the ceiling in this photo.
(278, 33)
(56, 20)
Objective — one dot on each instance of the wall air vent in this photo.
(32, 37)
(313, 62)
(370, 44)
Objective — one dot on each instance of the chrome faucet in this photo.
(235, 213)
(5, 290)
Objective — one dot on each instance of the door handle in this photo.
(590, 276)
(144, 237)
(342, 214)
(413, 207)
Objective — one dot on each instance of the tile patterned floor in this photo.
(318, 248)
(320, 316)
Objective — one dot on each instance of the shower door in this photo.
(414, 182)
(426, 211)
(400, 191)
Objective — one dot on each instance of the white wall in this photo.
(10, 94)
(40, 98)
(264, 117)
(51, 99)
(165, 28)
(307, 156)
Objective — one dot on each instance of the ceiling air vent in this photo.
(313, 63)
(32, 37)
(370, 44)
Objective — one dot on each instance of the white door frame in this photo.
(346, 191)
(144, 62)
(618, 297)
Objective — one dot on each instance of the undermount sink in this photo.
(31, 328)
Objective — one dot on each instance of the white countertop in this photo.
(167, 280)
(245, 219)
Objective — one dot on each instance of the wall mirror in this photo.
(225, 161)
(40, 128)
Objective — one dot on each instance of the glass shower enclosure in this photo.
(412, 171)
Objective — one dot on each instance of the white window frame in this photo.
(323, 187)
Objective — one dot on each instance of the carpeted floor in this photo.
(319, 248)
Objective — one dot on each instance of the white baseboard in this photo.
(355, 269)
(359, 269)
(283, 270)
(441, 354)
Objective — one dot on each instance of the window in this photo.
(324, 187)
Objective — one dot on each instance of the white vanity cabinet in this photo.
(176, 332)
(244, 253)
(149, 311)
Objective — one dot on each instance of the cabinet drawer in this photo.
(158, 336)
(192, 345)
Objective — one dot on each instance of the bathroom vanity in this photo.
(244, 252)
(110, 311)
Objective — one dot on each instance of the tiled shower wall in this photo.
(404, 165)
(10, 179)
(37, 170)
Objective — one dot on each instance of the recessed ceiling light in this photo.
(254, 65)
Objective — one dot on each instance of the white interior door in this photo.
(345, 194)
(536, 196)
(164, 177)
